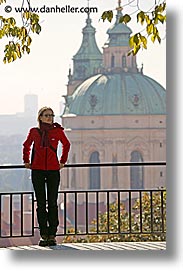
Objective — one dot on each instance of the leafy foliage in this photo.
(145, 222)
(149, 19)
(20, 36)
(20, 39)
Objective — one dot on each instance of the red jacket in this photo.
(45, 158)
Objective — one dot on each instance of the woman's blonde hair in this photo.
(40, 113)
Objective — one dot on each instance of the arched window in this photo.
(94, 171)
(136, 172)
(112, 61)
(123, 61)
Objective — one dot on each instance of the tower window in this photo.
(112, 61)
(94, 171)
(123, 61)
(136, 172)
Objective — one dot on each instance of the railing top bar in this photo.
(112, 191)
(90, 191)
(159, 163)
(117, 164)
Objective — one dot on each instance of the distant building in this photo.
(19, 123)
(30, 105)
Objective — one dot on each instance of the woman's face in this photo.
(47, 116)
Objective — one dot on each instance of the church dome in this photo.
(124, 93)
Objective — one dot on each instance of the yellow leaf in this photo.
(27, 15)
(14, 56)
(153, 38)
(28, 50)
(131, 42)
(141, 17)
(149, 29)
(29, 40)
(144, 41)
(148, 21)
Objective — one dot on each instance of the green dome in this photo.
(117, 94)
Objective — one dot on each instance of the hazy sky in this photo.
(44, 71)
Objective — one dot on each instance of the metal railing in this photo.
(89, 212)
(12, 220)
(105, 164)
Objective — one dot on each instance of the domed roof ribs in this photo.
(118, 94)
(161, 96)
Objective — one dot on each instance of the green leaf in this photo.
(107, 15)
(126, 18)
(37, 28)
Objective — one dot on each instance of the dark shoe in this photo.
(51, 240)
(43, 241)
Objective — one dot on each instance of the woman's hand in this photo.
(28, 165)
(62, 165)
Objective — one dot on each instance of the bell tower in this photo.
(88, 59)
(115, 50)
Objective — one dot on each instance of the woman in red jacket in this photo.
(45, 170)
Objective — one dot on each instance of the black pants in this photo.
(47, 216)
